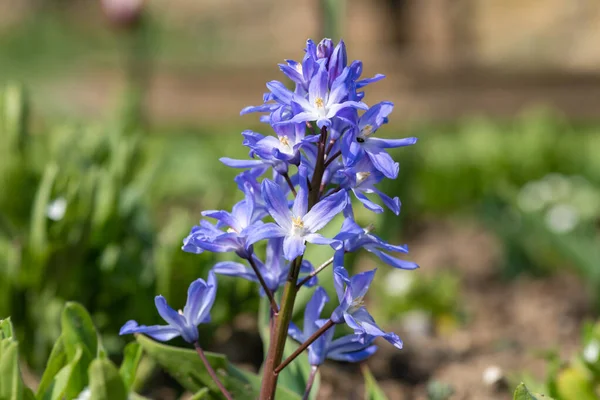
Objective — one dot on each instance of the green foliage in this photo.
(523, 393)
(372, 389)
(11, 382)
(185, 366)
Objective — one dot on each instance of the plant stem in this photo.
(282, 320)
(268, 291)
(314, 273)
(311, 381)
(304, 345)
(333, 157)
(289, 182)
(211, 371)
(279, 336)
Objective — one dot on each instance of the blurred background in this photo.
(113, 115)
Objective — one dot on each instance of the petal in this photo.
(230, 162)
(277, 204)
(350, 229)
(361, 282)
(293, 246)
(171, 316)
(334, 109)
(280, 92)
(393, 261)
(338, 61)
(292, 73)
(341, 277)
(315, 238)
(393, 204)
(158, 332)
(318, 87)
(375, 115)
(354, 356)
(383, 162)
(259, 232)
(224, 217)
(230, 268)
(324, 211)
(313, 309)
(393, 143)
(296, 333)
(302, 117)
(369, 205)
(301, 201)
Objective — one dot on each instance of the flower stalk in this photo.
(211, 371)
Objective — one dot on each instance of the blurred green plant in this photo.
(77, 222)
(575, 379)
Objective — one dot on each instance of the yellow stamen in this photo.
(367, 130)
(319, 102)
(361, 177)
(284, 141)
(297, 222)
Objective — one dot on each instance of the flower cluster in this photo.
(323, 153)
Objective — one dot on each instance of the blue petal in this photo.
(296, 333)
(318, 87)
(383, 162)
(230, 162)
(338, 61)
(158, 332)
(355, 356)
(277, 204)
(224, 217)
(315, 238)
(392, 143)
(393, 261)
(367, 202)
(313, 309)
(391, 203)
(350, 229)
(324, 211)
(259, 232)
(361, 282)
(202, 300)
(171, 316)
(293, 246)
(375, 115)
(301, 201)
(231, 268)
(280, 92)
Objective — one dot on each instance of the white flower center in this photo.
(298, 226)
(356, 304)
(285, 145)
(361, 177)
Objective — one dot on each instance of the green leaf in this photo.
(66, 383)
(105, 381)
(6, 329)
(79, 336)
(372, 389)
(186, 367)
(201, 394)
(78, 329)
(11, 384)
(522, 393)
(575, 384)
(38, 231)
(295, 376)
(131, 360)
(56, 361)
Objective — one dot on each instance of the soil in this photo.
(510, 323)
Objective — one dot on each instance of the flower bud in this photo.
(123, 13)
(325, 48)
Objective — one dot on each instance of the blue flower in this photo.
(361, 180)
(210, 237)
(274, 271)
(323, 103)
(355, 238)
(351, 293)
(350, 348)
(201, 296)
(296, 226)
(362, 143)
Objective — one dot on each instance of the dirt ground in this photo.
(509, 325)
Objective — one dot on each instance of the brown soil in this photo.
(509, 324)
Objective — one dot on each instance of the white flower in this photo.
(562, 218)
(56, 209)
